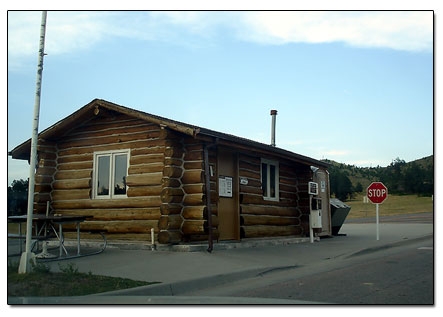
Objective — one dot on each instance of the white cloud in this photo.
(400, 30)
(71, 31)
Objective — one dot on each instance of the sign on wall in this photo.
(225, 186)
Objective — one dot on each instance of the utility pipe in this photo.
(208, 195)
(274, 116)
(27, 256)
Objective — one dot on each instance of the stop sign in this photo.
(377, 192)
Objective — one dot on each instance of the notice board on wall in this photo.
(225, 186)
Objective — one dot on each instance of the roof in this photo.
(65, 125)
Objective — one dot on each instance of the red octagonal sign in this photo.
(377, 192)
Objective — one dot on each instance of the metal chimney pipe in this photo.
(274, 116)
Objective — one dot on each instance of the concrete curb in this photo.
(192, 285)
(389, 245)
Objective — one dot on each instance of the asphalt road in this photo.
(393, 276)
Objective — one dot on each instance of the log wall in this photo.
(125, 218)
(195, 215)
(264, 218)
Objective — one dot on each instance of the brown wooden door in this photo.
(228, 211)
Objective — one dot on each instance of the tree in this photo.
(18, 197)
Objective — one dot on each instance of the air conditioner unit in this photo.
(313, 188)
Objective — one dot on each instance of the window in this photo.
(270, 179)
(110, 171)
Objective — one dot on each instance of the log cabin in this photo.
(133, 171)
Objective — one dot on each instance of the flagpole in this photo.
(28, 256)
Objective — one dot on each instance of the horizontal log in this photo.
(194, 188)
(194, 165)
(145, 168)
(194, 147)
(146, 159)
(174, 152)
(198, 212)
(111, 147)
(107, 130)
(73, 174)
(108, 139)
(46, 171)
(43, 179)
(115, 214)
(288, 181)
(249, 159)
(75, 166)
(120, 226)
(137, 191)
(192, 177)
(72, 184)
(171, 191)
(153, 201)
(269, 210)
(170, 182)
(197, 226)
(251, 189)
(202, 237)
(171, 209)
(48, 155)
(151, 150)
(173, 161)
(170, 222)
(249, 166)
(102, 123)
(269, 231)
(169, 237)
(249, 174)
(69, 194)
(144, 179)
(172, 171)
(42, 197)
(42, 188)
(197, 199)
(290, 188)
(171, 199)
(75, 158)
(46, 163)
(258, 200)
(250, 220)
(193, 156)
(292, 196)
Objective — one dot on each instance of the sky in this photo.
(355, 87)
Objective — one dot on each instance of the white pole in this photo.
(376, 220)
(27, 256)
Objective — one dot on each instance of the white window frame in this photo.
(268, 180)
(112, 155)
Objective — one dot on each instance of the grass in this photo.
(393, 205)
(68, 282)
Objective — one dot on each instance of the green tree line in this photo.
(400, 177)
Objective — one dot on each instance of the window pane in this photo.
(120, 169)
(264, 179)
(272, 180)
(103, 176)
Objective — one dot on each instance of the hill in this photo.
(415, 177)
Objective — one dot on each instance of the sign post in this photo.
(377, 192)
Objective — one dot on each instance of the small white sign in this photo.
(225, 186)
(323, 186)
(243, 181)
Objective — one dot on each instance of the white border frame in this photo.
(112, 154)
(277, 179)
